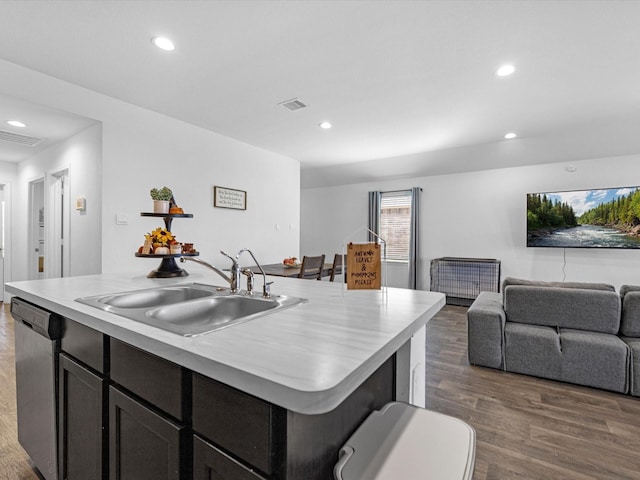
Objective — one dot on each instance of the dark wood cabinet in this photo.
(125, 414)
(154, 379)
(86, 345)
(244, 425)
(250, 436)
(209, 463)
(143, 445)
(81, 422)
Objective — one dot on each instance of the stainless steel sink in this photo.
(156, 297)
(190, 309)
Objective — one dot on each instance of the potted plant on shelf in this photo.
(161, 199)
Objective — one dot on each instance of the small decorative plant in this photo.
(163, 193)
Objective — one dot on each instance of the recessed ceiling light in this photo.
(505, 70)
(16, 123)
(510, 135)
(163, 43)
(325, 125)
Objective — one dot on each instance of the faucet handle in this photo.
(228, 256)
(266, 290)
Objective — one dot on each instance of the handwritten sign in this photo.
(229, 198)
(363, 266)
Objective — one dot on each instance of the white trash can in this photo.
(401, 441)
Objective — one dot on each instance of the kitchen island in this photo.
(289, 387)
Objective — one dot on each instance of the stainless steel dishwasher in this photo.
(37, 345)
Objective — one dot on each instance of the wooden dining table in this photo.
(281, 270)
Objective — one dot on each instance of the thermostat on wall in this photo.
(81, 203)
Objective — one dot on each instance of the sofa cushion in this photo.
(581, 309)
(630, 323)
(532, 350)
(537, 283)
(624, 289)
(634, 365)
(594, 359)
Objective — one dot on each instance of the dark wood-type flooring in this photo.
(527, 428)
(530, 428)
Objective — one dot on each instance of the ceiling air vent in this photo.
(21, 139)
(293, 104)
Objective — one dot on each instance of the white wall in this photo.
(191, 161)
(143, 149)
(483, 214)
(81, 155)
(8, 177)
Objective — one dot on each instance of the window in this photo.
(395, 223)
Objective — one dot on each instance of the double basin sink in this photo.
(190, 309)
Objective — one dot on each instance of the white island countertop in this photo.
(307, 359)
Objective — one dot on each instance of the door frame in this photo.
(7, 250)
(57, 216)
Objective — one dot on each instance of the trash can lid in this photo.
(404, 441)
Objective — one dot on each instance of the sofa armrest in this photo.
(485, 330)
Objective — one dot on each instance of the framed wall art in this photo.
(229, 198)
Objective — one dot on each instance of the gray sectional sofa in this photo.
(583, 333)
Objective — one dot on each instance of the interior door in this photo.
(58, 235)
(36, 230)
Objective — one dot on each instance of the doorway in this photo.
(58, 236)
(36, 230)
(2, 240)
(49, 226)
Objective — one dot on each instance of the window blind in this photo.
(395, 223)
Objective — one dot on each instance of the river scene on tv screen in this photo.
(605, 218)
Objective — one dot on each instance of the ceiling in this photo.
(45, 127)
(409, 86)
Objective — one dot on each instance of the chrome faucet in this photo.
(210, 267)
(266, 286)
(234, 281)
(236, 271)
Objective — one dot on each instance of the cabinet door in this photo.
(143, 445)
(209, 463)
(81, 432)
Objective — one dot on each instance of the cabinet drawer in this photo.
(152, 378)
(238, 422)
(85, 344)
(209, 462)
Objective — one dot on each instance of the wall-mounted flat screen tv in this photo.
(605, 218)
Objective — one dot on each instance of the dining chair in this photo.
(336, 269)
(312, 267)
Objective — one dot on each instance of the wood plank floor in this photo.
(527, 428)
